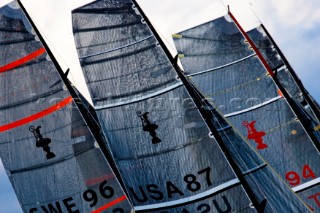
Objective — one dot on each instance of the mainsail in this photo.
(49, 153)
(158, 138)
(223, 66)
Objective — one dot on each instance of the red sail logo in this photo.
(253, 134)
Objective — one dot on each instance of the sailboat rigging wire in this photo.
(224, 5)
(251, 7)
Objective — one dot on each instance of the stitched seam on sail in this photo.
(17, 41)
(164, 151)
(32, 99)
(223, 66)
(106, 27)
(253, 107)
(125, 9)
(118, 48)
(166, 67)
(84, 63)
(138, 99)
(13, 30)
(40, 166)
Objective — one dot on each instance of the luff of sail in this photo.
(174, 165)
(49, 153)
(225, 68)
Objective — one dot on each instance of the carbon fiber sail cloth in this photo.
(224, 67)
(281, 66)
(160, 142)
(51, 158)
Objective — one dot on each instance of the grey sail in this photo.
(225, 68)
(48, 151)
(285, 73)
(160, 143)
(263, 185)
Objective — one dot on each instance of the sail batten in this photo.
(222, 66)
(100, 53)
(106, 27)
(253, 107)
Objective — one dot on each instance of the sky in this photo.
(294, 25)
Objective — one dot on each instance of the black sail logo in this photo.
(42, 142)
(149, 127)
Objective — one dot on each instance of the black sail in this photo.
(223, 65)
(50, 155)
(160, 143)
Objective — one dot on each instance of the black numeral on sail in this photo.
(90, 196)
(104, 190)
(206, 171)
(170, 189)
(192, 183)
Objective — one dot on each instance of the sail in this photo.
(160, 143)
(285, 73)
(226, 69)
(253, 172)
(49, 154)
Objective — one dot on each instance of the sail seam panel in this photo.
(36, 116)
(32, 99)
(223, 66)
(253, 107)
(194, 198)
(17, 41)
(22, 60)
(133, 100)
(119, 48)
(306, 185)
(167, 89)
(83, 63)
(161, 152)
(43, 165)
(104, 10)
(13, 31)
(106, 27)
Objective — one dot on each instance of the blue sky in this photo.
(294, 24)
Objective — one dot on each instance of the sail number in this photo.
(171, 190)
(295, 179)
(89, 196)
